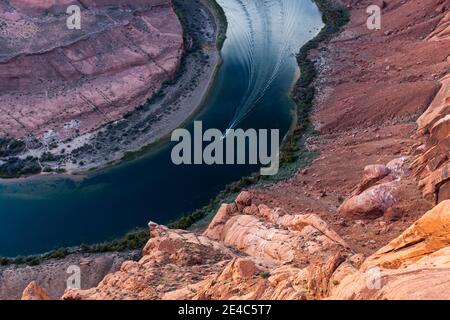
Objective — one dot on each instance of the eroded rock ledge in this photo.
(248, 251)
(251, 251)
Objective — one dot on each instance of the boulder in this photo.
(375, 172)
(372, 174)
(370, 204)
(375, 194)
(244, 199)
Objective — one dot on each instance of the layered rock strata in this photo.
(248, 251)
(58, 83)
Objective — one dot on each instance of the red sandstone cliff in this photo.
(73, 81)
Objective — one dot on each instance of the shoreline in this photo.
(153, 146)
(173, 106)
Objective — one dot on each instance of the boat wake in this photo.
(265, 31)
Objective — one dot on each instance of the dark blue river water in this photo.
(251, 91)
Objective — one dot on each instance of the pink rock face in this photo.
(51, 76)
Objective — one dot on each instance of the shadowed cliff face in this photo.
(52, 78)
(53, 274)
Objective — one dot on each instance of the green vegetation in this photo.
(11, 166)
(221, 20)
(49, 157)
(15, 167)
(35, 260)
(219, 17)
(11, 147)
(131, 241)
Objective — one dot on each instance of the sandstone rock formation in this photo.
(171, 259)
(426, 236)
(375, 194)
(34, 292)
(248, 251)
(290, 260)
(62, 82)
(433, 160)
(432, 163)
(416, 265)
(442, 31)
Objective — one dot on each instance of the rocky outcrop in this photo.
(182, 265)
(272, 234)
(69, 82)
(416, 265)
(52, 275)
(34, 292)
(375, 194)
(426, 236)
(442, 32)
(248, 251)
(171, 259)
(432, 162)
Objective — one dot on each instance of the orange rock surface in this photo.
(34, 292)
(416, 265)
(264, 255)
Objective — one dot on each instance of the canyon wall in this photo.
(67, 82)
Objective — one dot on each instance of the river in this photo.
(251, 90)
